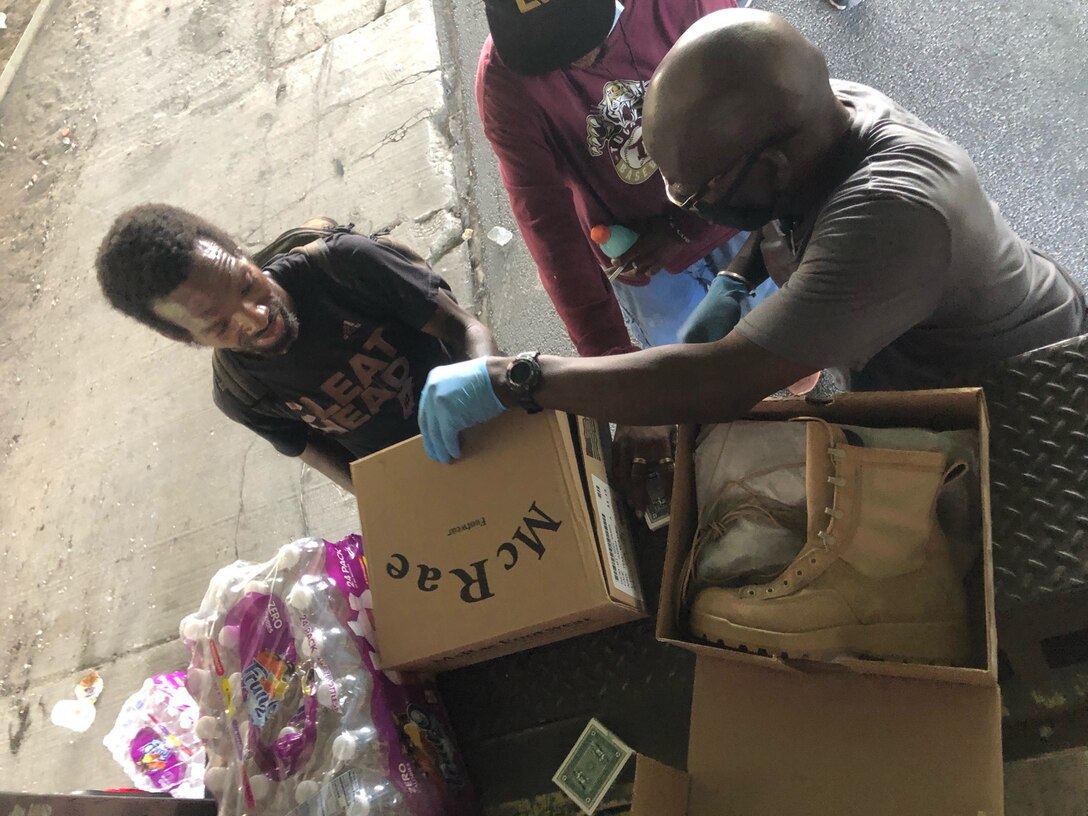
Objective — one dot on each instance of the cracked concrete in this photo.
(125, 489)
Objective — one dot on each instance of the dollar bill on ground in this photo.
(592, 766)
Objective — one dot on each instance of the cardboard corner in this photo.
(682, 526)
(864, 744)
(660, 790)
(608, 521)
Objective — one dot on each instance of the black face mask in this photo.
(844, 160)
(741, 218)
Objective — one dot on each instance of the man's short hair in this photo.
(147, 254)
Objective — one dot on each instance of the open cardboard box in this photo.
(773, 736)
(517, 545)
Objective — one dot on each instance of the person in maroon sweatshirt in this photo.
(560, 86)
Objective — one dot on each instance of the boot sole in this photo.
(940, 642)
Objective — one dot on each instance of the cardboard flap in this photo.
(767, 742)
(660, 790)
(939, 410)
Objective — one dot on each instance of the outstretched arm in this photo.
(464, 335)
(330, 459)
(701, 383)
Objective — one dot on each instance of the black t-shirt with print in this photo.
(360, 361)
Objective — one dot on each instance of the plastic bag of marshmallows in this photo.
(296, 714)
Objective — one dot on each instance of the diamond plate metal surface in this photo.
(1038, 405)
(516, 717)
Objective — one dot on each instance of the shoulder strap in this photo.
(339, 278)
(232, 380)
(296, 237)
(318, 252)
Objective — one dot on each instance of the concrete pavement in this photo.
(124, 488)
(1005, 79)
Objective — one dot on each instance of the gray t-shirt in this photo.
(908, 275)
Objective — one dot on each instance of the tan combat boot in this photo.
(875, 577)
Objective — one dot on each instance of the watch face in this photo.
(521, 373)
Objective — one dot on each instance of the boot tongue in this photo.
(819, 492)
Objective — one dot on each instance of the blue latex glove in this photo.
(455, 397)
(717, 314)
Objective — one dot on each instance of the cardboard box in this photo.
(517, 545)
(773, 736)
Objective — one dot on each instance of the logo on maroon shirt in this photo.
(616, 127)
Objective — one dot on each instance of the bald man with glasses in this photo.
(894, 264)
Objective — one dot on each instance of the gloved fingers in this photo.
(727, 286)
(429, 448)
(427, 428)
(712, 320)
(423, 414)
(490, 404)
(450, 435)
(692, 332)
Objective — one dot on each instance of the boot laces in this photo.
(756, 506)
(834, 512)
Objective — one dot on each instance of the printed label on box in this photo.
(619, 562)
(591, 439)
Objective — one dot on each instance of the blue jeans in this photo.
(655, 312)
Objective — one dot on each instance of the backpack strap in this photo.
(318, 252)
(232, 380)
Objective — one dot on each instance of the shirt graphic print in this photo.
(615, 128)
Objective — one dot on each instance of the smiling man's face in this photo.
(227, 302)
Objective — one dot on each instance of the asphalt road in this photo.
(1007, 80)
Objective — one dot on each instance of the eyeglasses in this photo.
(692, 201)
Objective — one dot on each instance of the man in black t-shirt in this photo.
(338, 351)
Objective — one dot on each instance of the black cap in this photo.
(537, 36)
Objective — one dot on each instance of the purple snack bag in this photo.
(154, 755)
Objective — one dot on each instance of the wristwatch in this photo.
(523, 376)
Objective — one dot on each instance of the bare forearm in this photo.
(479, 342)
(712, 382)
(329, 459)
